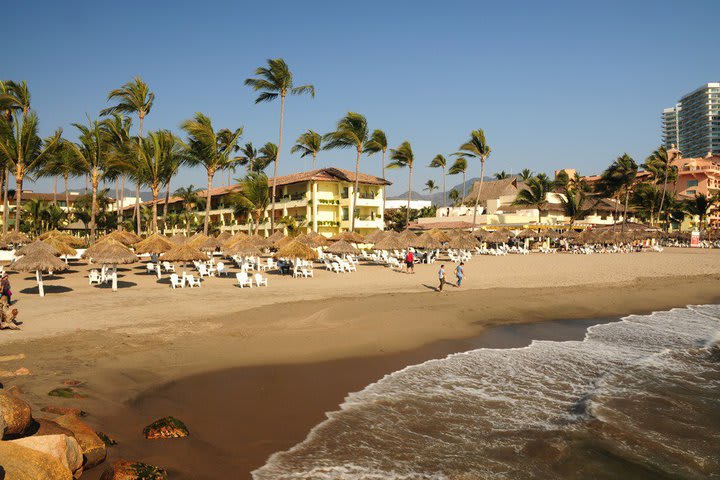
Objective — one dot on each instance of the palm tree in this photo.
(266, 155)
(91, 155)
(34, 210)
(351, 132)
(460, 166)
(276, 80)
(157, 159)
(254, 196)
(440, 162)
(502, 175)
(526, 174)
(646, 198)
(430, 187)
(248, 156)
(62, 163)
(213, 150)
(21, 147)
(134, 97)
(476, 147)
(309, 143)
(573, 202)
(659, 164)
(700, 206)
(622, 173)
(403, 157)
(190, 200)
(174, 162)
(535, 195)
(120, 150)
(454, 196)
(378, 143)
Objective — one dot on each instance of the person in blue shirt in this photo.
(459, 273)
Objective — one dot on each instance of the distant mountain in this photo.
(437, 197)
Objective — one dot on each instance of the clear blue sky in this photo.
(554, 84)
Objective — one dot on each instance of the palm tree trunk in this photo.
(384, 150)
(18, 197)
(627, 199)
(6, 203)
(54, 190)
(93, 209)
(117, 200)
(155, 194)
(407, 213)
(137, 207)
(314, 160)
(122, 201)
(277, 161)
(67, 194)
(165, 207)
(355, 190)
(257, 222)
(208, 203)
(477, 197)
(464, 190)
(444, 191)
(662, 198)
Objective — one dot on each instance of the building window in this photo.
(691, 192)
(692, 183)
(346, 213)
(345, 192)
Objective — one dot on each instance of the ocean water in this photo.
(636, 399)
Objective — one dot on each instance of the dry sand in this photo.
(128, 346)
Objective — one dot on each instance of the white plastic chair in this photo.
(175, 281)
(150, 267)
(192, 281)
(243, 279)
(220, 268)
(94, 277)
(260, 281)
(168, 267)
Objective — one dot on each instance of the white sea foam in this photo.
(474, 414)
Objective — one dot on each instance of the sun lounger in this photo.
(260, 281)
(175, 281)
(192, 281)
(243, 279)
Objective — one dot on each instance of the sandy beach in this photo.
(147, 349)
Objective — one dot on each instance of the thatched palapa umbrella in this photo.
(277, 235)
(197, 240)
(498, 236)
(570, 234)
(155, 244)
(15, 238)
(352, 237)
(481, 234)
(426, 241)
(283, 241)
(463, 242)
(38, 261)
(440, 235)
(224, 236)
(179, 239)
(122, 236)
(342, 247)
(374, 236)
(295, 249)
(210, 245)
(62, 247)
(391, 242)
(527, 233)
(110, 252)
(244, 249)
(184, 253)
(38, 246)
(407, 235)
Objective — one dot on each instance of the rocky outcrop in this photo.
(93, 448)
(62, 447)
(124, 470)
(16, 414)
(166, 427)
(48, 427)
(23, 463)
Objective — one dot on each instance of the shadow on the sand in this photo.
(120, 284)
(47, 288)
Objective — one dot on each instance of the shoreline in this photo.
(374, 336)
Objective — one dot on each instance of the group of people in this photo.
(8, 316)
(459, 274)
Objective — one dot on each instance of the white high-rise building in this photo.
(693, 125)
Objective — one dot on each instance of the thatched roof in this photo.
(374, 236)
(14, 238)
(283, 241)
(223, 236)
(155, 243)
(464, 242)
(498, 236)
(481, 234)
(38, 246)
(38, 260)
(277, 235)
(570, 234)
(391, 242)
(62, 247)
(210, 245)
(551, 234)
(439, 235)
(349, 237)
(310, 241)
(295, 249)
(122, 236)
(527, 233)
(50, 233)
(233, 239)
(587, 236)
(109, 251)
(426, 241)
(407, 235)
(197, 240)
(245, 249)
(184, 253)
(179, 239)
(342, 247)
(258, 241)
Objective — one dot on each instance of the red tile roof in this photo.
(440, 225)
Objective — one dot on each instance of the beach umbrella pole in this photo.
(38, 276)
(114, 279)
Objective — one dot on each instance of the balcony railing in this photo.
(367, 196)
(290, 198)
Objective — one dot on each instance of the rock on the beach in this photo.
(124, 470)
(66, 392)
(48, 427)
(92, 447)
(63, 410)
(23, 463)
(64, 448)
(16, 413)
(166, 427)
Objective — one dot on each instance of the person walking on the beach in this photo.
(441, 277)
(5, 288)
(410, 261)
(459, 273)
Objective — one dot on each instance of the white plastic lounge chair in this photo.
(220, 269)
(168, 267)
(150, 267)
(243, 279)
(260, 281)
(175, 281)
(94, 277)
(192, 281)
